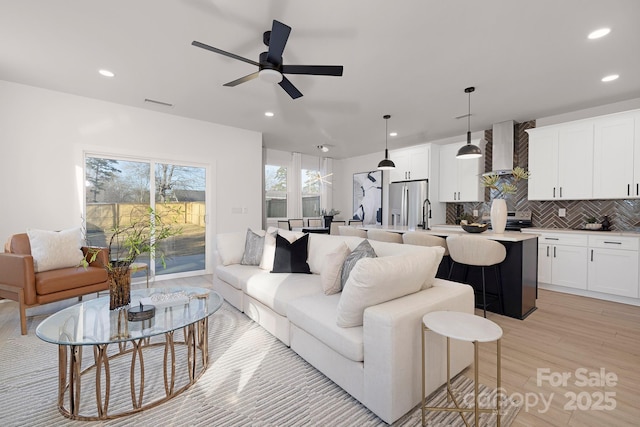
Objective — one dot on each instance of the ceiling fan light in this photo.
(270, 76)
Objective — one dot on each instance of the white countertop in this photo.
(451, 230)
(590, 232)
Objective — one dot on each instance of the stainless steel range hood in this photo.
(502, 151)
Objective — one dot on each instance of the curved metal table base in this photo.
(70, 372)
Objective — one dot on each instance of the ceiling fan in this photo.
(270, 66)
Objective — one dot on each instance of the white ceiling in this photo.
(408, 58)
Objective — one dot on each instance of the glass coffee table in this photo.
(152, 345)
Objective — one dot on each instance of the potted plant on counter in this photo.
(328, 216)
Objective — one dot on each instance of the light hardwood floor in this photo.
(566, 333)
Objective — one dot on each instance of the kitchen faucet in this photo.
(426, 214)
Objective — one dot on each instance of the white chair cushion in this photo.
(52, 250)
(316, 315)
(330, 275)
(376, 280)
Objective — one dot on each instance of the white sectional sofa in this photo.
(378, 363)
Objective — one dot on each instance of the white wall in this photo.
(43, 135)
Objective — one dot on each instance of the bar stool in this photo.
(347, 230)
(478, 252)
(464, 327)
(384, 236)
(421, 238)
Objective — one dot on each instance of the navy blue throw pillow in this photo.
(291, 257)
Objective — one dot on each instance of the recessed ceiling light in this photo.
(323, 148)
(107, 73)
(599, 33)
(393, 134)
(610, 78)
(269, 114)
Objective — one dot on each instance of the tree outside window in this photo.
(311, 190)
(275, 186)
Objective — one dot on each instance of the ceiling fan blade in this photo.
(290, 88)
(278, 39)
(242, 79)
(316, 70)
(225, 53)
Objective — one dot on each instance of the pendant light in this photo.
(386, 164)
(469, 151)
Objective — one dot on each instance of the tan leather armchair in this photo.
(19, 282)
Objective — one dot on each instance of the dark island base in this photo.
(519, 273)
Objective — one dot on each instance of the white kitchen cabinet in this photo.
(613, 265)
(460, 178)
(614, 174)
(562, 260)
(561, 161)
(411, 163)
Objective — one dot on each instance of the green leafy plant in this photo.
(494, 181)
(591, 220)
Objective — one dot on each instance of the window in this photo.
(311, 183)
(118, 188)
(275, 185)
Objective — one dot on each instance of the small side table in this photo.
(464, 327)
(137, 266)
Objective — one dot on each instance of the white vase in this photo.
(498, 215)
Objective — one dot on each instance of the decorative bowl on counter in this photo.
(475, 227)
(593, 226)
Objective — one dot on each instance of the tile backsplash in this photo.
(624, 214)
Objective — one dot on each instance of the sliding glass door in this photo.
(118, 189)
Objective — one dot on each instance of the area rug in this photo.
(252, 380)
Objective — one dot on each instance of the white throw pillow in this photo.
(230, 246)
(432, 259)
(269, 250)
(332, 269)
(55, 249)
(376, 280)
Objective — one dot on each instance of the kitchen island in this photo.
(519, 270)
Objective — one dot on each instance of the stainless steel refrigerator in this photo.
(409, 203)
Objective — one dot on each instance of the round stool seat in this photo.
(423, 239)
(476, 251)
(462, 326)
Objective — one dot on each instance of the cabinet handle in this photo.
(591, 255)
(551, 238)
(554, 251)
(409, 173)
(554, 191)
(560, 191)
(547, 251)
(628, 189)
(454, 196)
(613, 243)
(459, 196)
(637, 189)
